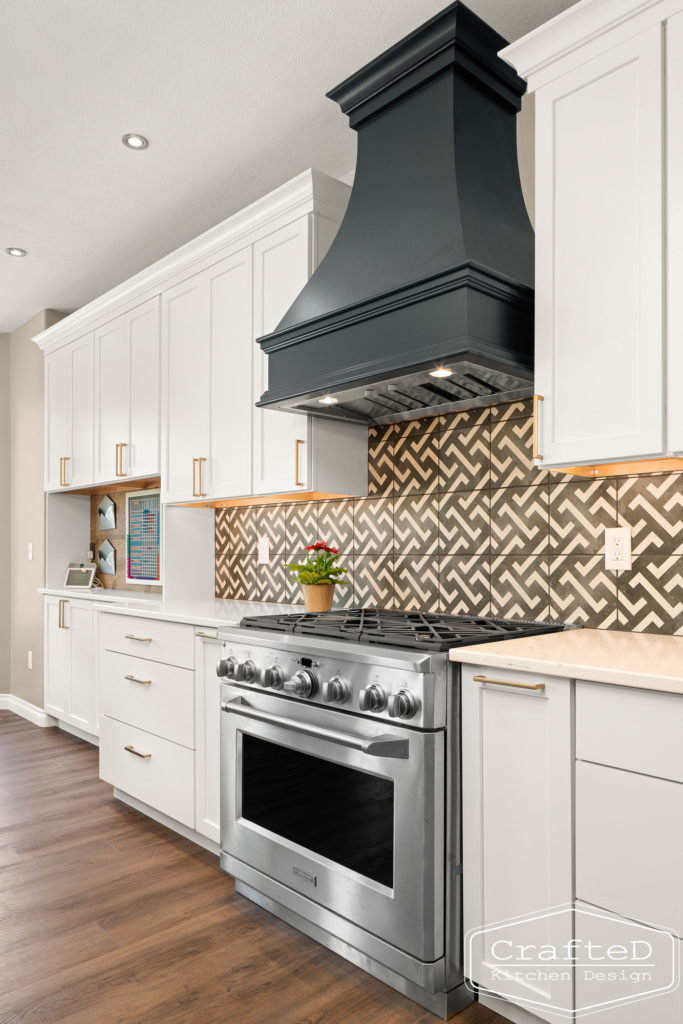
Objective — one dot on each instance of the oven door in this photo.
(347, 811)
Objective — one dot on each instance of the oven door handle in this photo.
(378, 746)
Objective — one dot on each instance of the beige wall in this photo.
(27, 507)
(4, 514)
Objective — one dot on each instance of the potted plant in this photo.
(318, 576)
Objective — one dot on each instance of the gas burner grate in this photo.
(413, 630)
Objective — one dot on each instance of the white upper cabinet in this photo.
(69, 415)
(602, 139)
(207, 330)
(282, 266)
(127, 395)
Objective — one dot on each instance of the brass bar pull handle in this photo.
(61, 621)
(61, 472)
(122, 471)
(194, 478)
(200, 493)
(116, 461)
(508, 682)
(143, 682)
(206, 636)
(65, 460)
(299, 483)
(536, 453)
(131, 750)
(140, 639)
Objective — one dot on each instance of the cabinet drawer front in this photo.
(152, 696)
(629, 844)
(639, 730)
(153, 639)
(164, 780)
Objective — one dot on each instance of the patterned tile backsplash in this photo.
(458, 520)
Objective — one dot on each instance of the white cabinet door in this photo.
(57, 416)
(517, 823)
(141, 457)
(57, 659)
(186, 383)
(599, 241)
(79, 471)
(674, 241)
(228, 469)
(207, 732)
(282, 266)
(112, 387)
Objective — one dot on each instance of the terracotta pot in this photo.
(318, 597)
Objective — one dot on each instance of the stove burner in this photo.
(400, 629)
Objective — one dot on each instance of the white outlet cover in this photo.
(618, 547)
(263, 551)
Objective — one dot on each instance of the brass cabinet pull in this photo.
(116, 461)
(207, 636)
(194, 478)
(119, 459)
(61, 472)
(140, 639)
(200, 493)
(65, 460)
(61, 618)
(536, 453)
(143, 682)
(131, 750)
(299, 483)
(508, 682)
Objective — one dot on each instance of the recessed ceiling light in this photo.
(14, 250)
(135, 141)
(328, 400)
(440, 371)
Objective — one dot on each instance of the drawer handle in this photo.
(207, 636)
(131, 750)
(297, 445)
(142, 682)
(508, 682)
(140, 639)
(536, 454)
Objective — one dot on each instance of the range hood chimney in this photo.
(432, 266)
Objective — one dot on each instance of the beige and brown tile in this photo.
(519, 521)
(416, 583)
(512, 464)
(243, 533)
(335, 524)
(465, 585)
(380, 468)
(465, 459)
(653, 507)
(381, 432)
(373, 526)
(416, 464)
(270, 523)
(465, 522)
(519, 410)
(373, 581)
(421, 425)
(582, 591)
(242, 582)
(271, 581)
(462, 418)
(580, 510)
(519, 587)
(651, 595)
(416, 525)
(301, 525)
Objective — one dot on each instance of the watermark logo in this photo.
(572, 960)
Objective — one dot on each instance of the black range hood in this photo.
(432, 266)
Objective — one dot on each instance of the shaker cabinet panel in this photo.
(143, 329)
(70, 664)
(69, 415)
(112, 383)
(599, 269)
(207, 732)
(57, 416)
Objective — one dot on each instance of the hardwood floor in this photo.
(106, 917)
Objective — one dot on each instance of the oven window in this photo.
(330, 809)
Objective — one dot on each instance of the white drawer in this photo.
(156, 639)
(164, 780)
(629, 844)
(152, 696)
(639, 730)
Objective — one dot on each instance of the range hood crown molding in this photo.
(434, 257)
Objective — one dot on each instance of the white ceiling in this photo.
(230, 93)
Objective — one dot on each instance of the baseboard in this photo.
(507, 1010)
(163, 819)
(9, 702)
(75, 731)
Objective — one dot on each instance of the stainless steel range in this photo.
(340, 784)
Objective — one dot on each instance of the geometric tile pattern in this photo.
(579, 513)
(458, 519)
(653, 507)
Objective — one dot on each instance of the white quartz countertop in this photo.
(645, 660)
(210, 613)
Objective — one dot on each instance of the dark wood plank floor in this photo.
(108, 918)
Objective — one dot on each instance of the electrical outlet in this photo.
(29, 548)
(263, 551)
(618, 547)
(29, 660)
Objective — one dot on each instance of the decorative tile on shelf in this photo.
(582, 591)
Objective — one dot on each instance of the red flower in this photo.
(319, 546)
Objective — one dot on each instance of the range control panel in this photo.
(384, 691)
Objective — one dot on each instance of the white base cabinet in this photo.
(517, 822)
(70, 663)
(208, 733)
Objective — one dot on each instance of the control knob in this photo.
(402, 704)
(373, 698)
(246, 672)
(336, 691)
(226, 667)
(274, 677)
(303, 683)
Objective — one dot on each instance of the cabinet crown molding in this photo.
(533, 54)
(310, 192)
